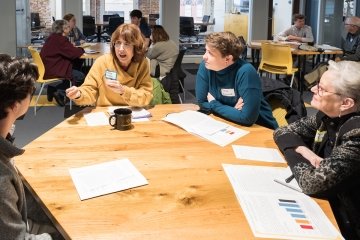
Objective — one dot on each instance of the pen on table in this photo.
(289, 179)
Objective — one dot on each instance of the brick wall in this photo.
(43, 8)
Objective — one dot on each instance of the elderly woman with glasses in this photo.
(121, 77)
(323, 151)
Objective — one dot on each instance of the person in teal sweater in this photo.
(230, 87)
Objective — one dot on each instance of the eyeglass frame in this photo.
(318, 87)
(351, 25)
(125, 45)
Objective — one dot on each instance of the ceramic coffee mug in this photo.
(121, 120)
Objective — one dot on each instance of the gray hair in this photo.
(58, 26)
(348, 79)
(353, 20)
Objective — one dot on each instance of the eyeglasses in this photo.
(125, 45)
(351, 25)
(321, 92)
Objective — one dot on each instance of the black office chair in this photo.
(114, 22)
(89, 28)
(173, 82)
(205, 20)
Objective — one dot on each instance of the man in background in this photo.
(299, 32)
(137, 19)
(350, 42)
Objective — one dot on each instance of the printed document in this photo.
(104, 178)
(274, 211)
(96, 119)
(206, 127)
(258, 153)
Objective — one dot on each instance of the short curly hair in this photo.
(130, 33)
(226, 42)
(17, 80)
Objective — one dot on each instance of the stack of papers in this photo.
(137, 115)
(274, 211)
(206, 127)
(90, 51)
(105, 178)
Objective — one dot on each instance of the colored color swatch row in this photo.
(294, 210)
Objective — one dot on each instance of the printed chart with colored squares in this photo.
(297, 214)
(275, 211)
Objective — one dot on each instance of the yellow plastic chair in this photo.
(278, 111)
(277, 59)
(41, 68)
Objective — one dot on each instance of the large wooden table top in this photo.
(188, 196)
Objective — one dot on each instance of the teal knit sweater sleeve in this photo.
(227, 86)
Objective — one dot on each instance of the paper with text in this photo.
(104, 178)
(96, 119)
(274, 211)
(137, 113)
(258, 153)
(206, 127)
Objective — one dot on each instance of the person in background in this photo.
(75, 34)
(17, 84)
(137, 19)
(58, 55)
(350, 43)
(323, 151)
(119, 78)
(229, 86)
(299, 32)
(162, 52)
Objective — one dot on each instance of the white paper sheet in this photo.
(258, 153)
(274, 211)
(104, 178)
(136, 112)
(96, 119)
(206, 127)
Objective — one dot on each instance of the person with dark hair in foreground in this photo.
(19, 212)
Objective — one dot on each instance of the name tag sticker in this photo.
(228, 92)
(110, 75)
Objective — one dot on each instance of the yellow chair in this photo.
(41, 68)
(278, 111)
(277, 59)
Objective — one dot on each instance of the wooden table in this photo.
(301, 55)
(101, 48)
(188, 197)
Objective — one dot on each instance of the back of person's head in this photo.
(298, 16)
(68, 17)
(136, 13)
(347, 79)
(226, 43)
(58, 26)
(129, 33)
(17, 79)
(159, 34)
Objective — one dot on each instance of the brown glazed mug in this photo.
(121, 120)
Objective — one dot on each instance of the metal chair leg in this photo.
(37, 98)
